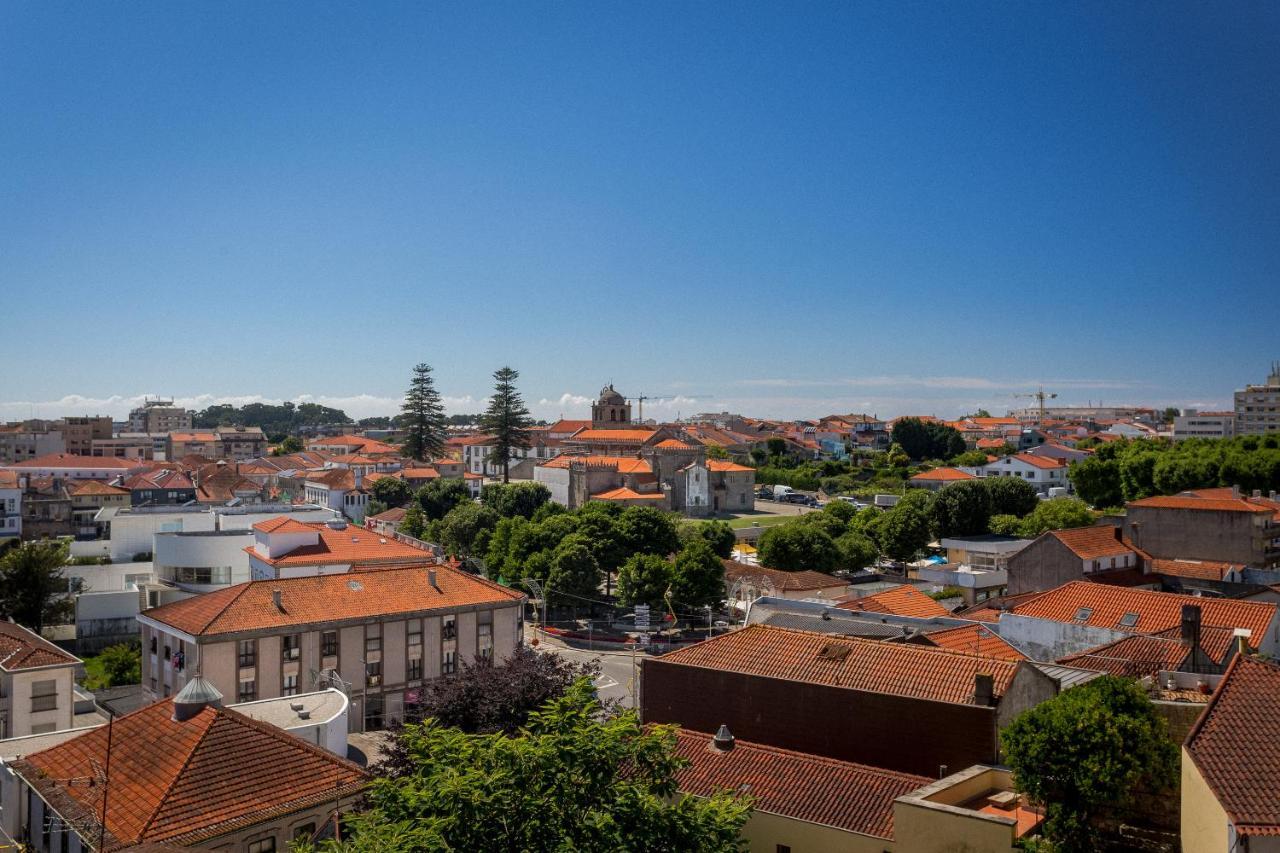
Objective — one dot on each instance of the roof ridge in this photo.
(865, 641)
(168, 789)
(817, 758)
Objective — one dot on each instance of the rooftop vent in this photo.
(277, 598)
(296, 706)
(336, 524)
(431, 578)
(834, 651)
(723, 739)
(355, 586)
(197, 695)
(304, 715)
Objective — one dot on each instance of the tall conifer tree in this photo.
(423, 416)
(506, 420)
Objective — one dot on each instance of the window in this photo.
(44, 696)
(248, 692)
(305, 832)
(449, 665)
(782, 848)
(329, 644)
(263, 845)
(1129, 620)
(248, 653)
(1084, 613)
(449, 630)
(153, 644)
(290, 686)
(414, 668)
(290, 646)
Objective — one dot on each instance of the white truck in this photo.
(780, 492)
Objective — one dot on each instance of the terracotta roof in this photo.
(365, 445)
(625, 494)
(1039, 461)
(328, 598)
(162, 479)
(624, 464)
(192, 436)
(1108, 606)
(780, 580)
(350, 544)
(1236, 745)
(73, 460)
(88, 488)
(797, 785)
(615, 436)
(901, 669)
(674, 444)
(1191, 502)
(1199, 569)
(976, 640)
(23, 649)
(725, 466)
(185, 781)
(1147, 654)
(903, 600)
(395, 514)
(564, 425)
(424, 473)
(9, 480)
(1093, 543)
(940, 474)
(284, 524)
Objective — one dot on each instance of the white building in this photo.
(338, 489)
(36, 679)
(1043, 472)
(1193, 424)
(70, 466)
(10, 505)
(287, 548)
(134, 529)
(1258, 406)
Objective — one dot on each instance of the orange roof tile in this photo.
(674, 444)
(624, 464)
(1093, 543)
(796, 785)
(284, 524)
(1199, 569)
(780, 580)
(1236, 745)
(426, 473)
(1146, 654)
(250, 606)
(625, 494)
(725, 466)
(1156, 611)
(89, 488)
(903, 600)
(901, 669)
(976, 640)
(1191, 502)
(22, 649)
(350, 544)
(613, 436)
(185, 781)
(73, 460)
(939, 474)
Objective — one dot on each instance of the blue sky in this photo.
(785, 209)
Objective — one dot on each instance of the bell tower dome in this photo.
(611, 410)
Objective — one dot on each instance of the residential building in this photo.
(1083, 615)
(36, 680)
(183, 772)
(27, 440)
(340, 444)
(1208, 524)
(162, 487)
(240, 442)
(1189, 647)
(133, 530)
(11, 489)
(744, 583)
(159, 416)
(1193, 424)
(338, 489)
(939, 478)
(1085, 413)
(88, 499)
(974, 640)
(1043, 472)
(943, 707)
(46, 509)
(477, 453)
(1230, 764)
(203, 443)
(78, 433)
(1258, 406)
(70, 466)
(975, 565)
(899, 600)
(977, 808)
(131, 445)
(287, 547)
(379, 634)
(984, 552)
(1058, 556)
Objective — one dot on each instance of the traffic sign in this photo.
(642, 617)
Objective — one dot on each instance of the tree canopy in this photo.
(697, 577)
(439, 496)
(1088, 748)
(795, 547)
(927, 439)
(522, 499)
(423, 417)
(392, 491)
(277, 422)
(718, 534)
(506, 420)
(33, 586)
(570, 780)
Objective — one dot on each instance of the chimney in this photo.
(431, 579)
(1257, 493)
(1191, 624)
(723, 739)
(1242, 636)
(277, 598)
(1235, 491)
(984, 690)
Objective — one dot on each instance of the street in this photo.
(615, 680)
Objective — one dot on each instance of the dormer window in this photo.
(1084, 614)
(1129, 620)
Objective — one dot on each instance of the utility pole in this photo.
(106, 782)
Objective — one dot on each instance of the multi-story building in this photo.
(69, 466)
(132, 445)
(30, 439)
(159, 416)
(1043, 472)
(88, 499)
(79, 432)
(379, 634)
(165, 487)
(285, 547)
(1059, 556)
(238, 443)
(1222, 524)
(11, 488)
(1258, 406)
(36, 679)
(1193, 424)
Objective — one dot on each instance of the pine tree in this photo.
(423, 417)
(506, 420)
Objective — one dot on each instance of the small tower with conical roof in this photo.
(197, 695)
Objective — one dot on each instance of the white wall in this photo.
(134, 532)
(555, 479)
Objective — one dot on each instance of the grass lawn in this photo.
(762, 520)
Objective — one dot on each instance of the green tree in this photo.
(574, 569)
(392, 491)
(1055, 514)
(697, 577)
(896, 457)
(648, 530)
(927, 440)
(573, 779)
(718, 534)
(496, 556)
(962, 509)
(506, 420)
(1011, 495)
(857, 551)
(291, 444)
(423, 417)
(414, 522)
(512, 499)
(33, 588)
(904, 530)
(1137, 474)
(114, 666)
(796, 546)
(970, 459)
(1005, 525)
(465, 529)
(644, 579)
(777, 447)
(439, 496)
(1088, 749)
(1097, 481)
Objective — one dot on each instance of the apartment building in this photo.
(71, 466)
(159, 416)
(1193, 424)
(79, 433)
(29, 439)
(1258, 406)
(1042, 472)
(11, 488)
(378, 634)
(1222, 524)
(36, 679)
(237, 443)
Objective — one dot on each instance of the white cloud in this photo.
(947, 383)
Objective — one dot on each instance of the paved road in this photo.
(615, 680)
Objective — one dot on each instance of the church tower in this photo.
(611, 411)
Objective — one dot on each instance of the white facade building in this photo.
(1258, 406)
(1193, 424)
(10, 505)
(1043, 472)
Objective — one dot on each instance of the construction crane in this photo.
(1039, 396)
(640, 401)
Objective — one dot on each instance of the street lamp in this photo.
(541, 592)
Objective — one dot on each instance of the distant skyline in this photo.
(779, 210)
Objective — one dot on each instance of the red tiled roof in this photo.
(797, 785)
(625, 494)
(1199, 569)
(1191, 502)
(426, 473)
(613, 436)
(22, 649)
(780, 580)
(1236, 745)
(1039, 461)
(724, 466)
(976, 640)
(1093, 543)
(940, 474)
(284, 524)
(184, 781)
(904, 600)
(328, 598)
(73, 460)
(624, 464)
(88, 488)
(1157, 611)
(901, 669)
(350, 544)
(395, 514)
(1146, 654)
(986, 443)
(674, 444)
